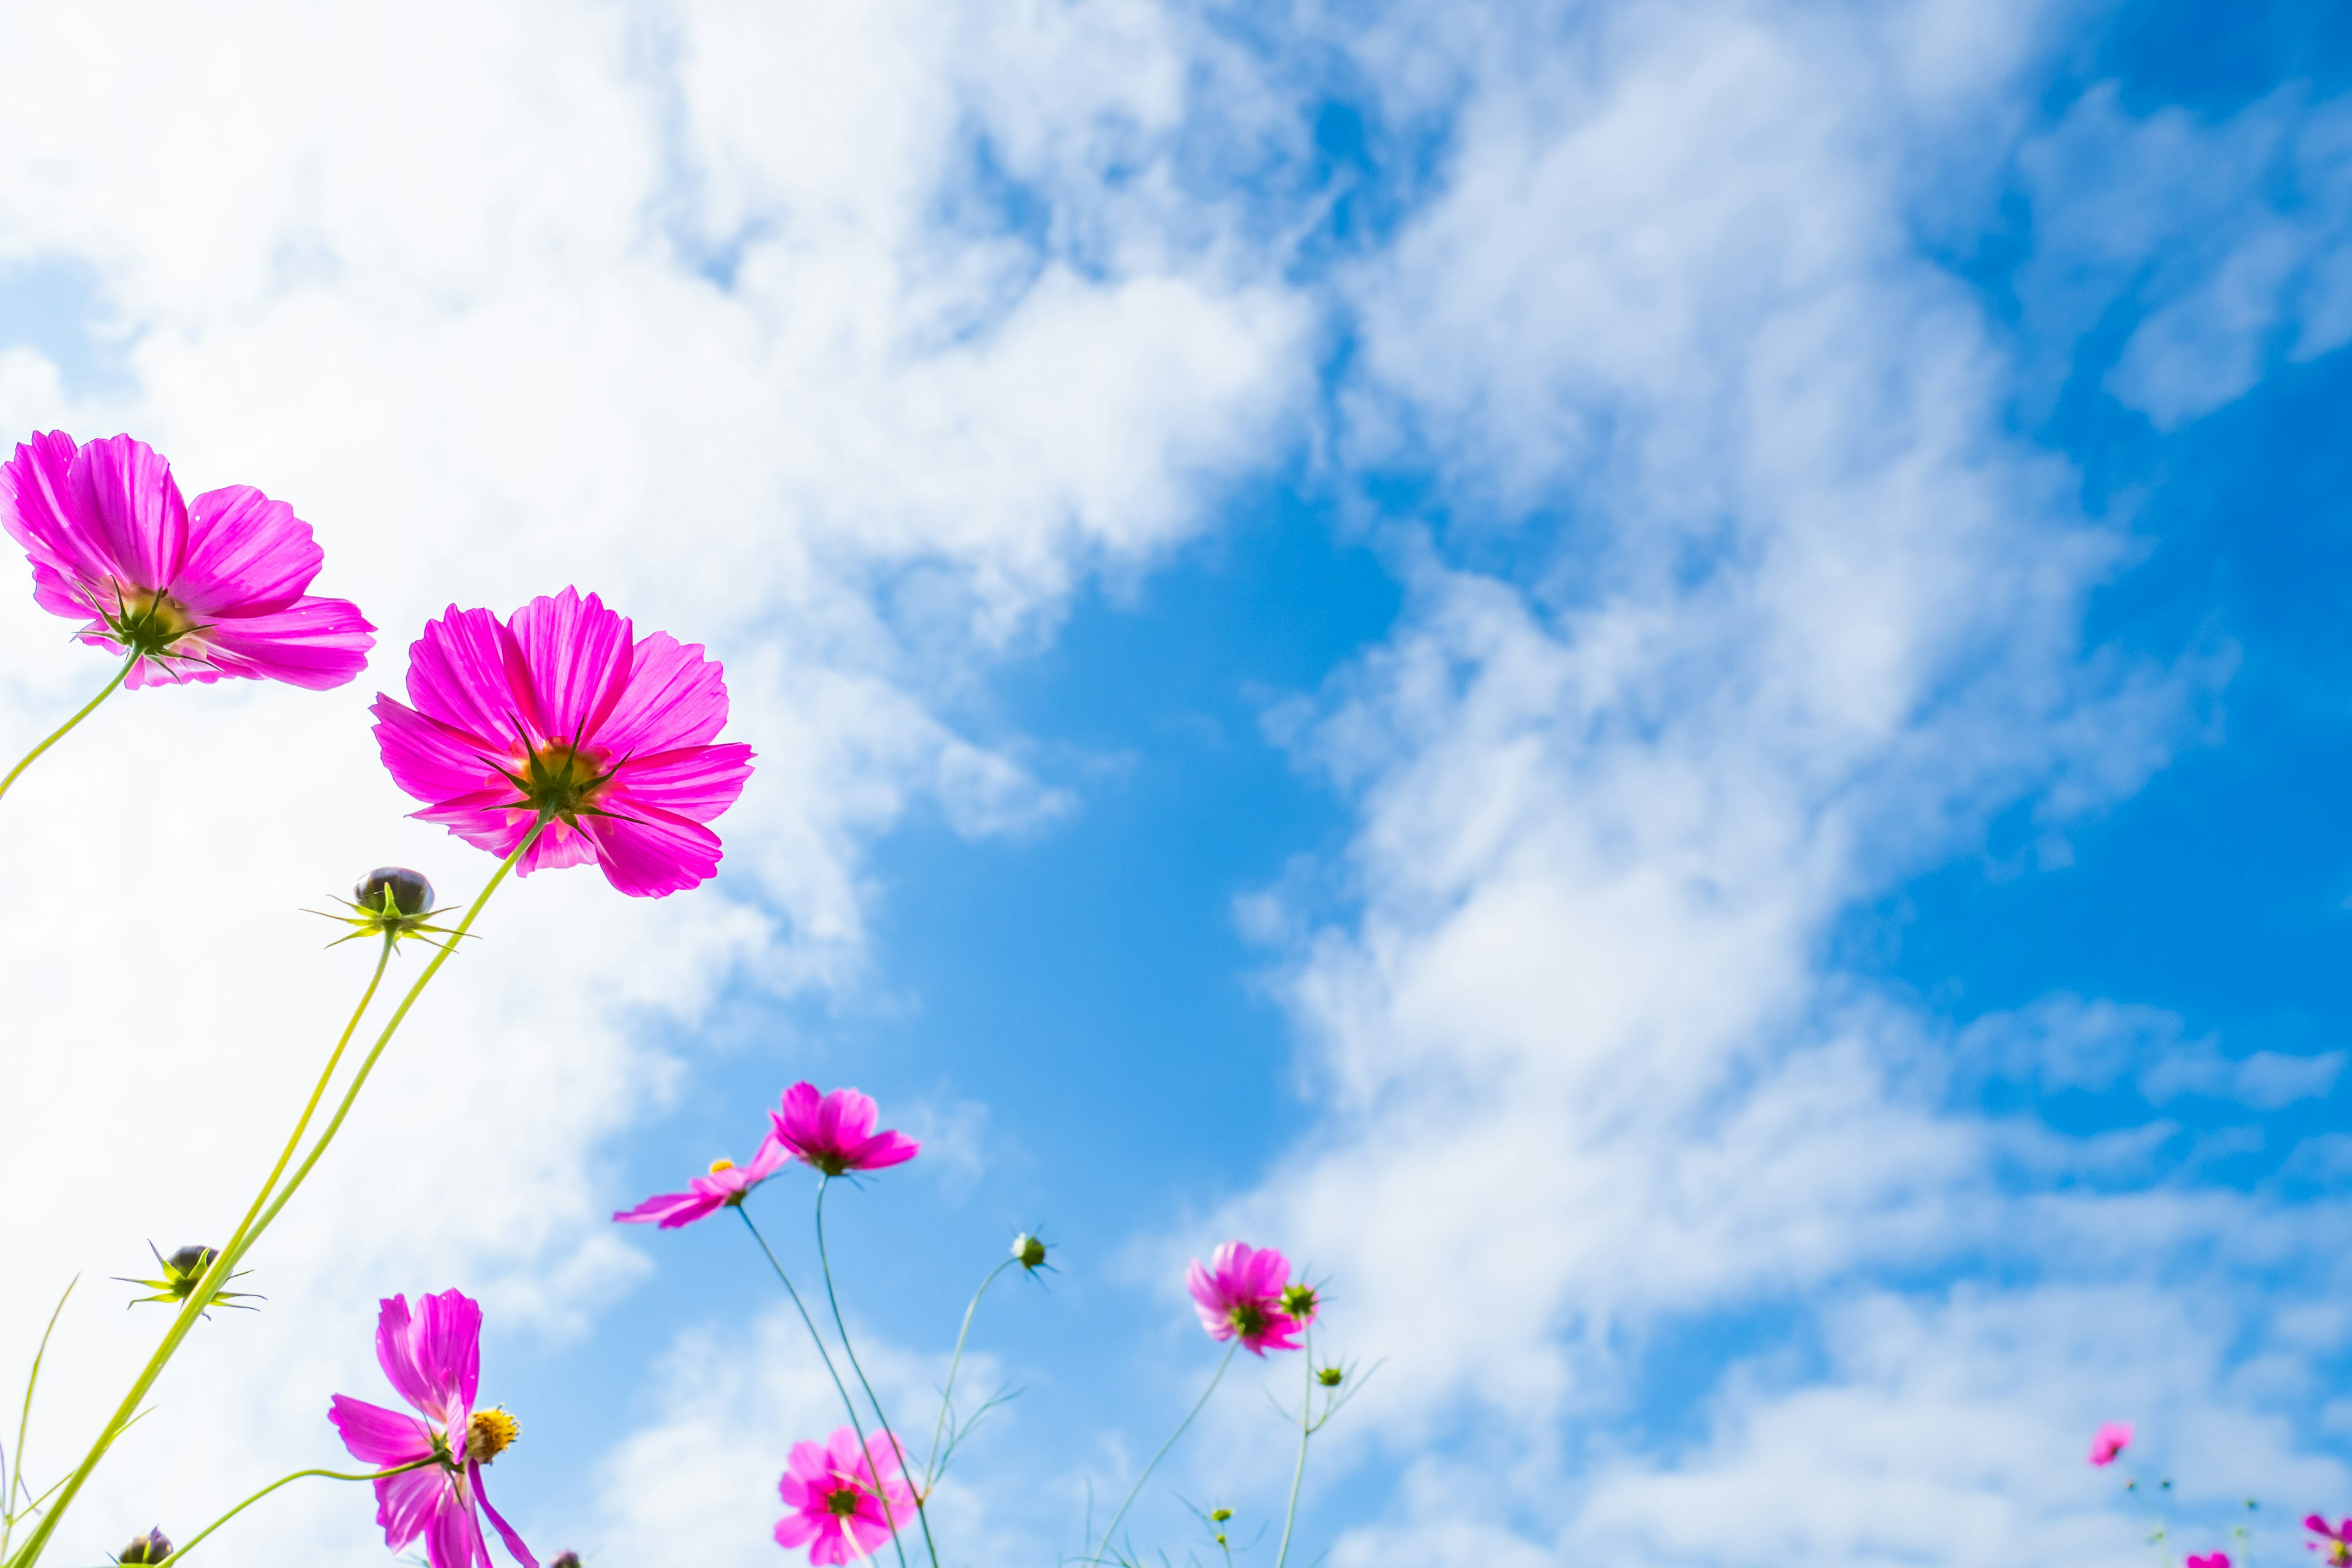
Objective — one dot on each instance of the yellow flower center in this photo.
(488, 1434)
(719, 1165)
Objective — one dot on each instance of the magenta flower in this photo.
(724, 1187)
(2340, 1550)
(1241, 1293)
(2211, 1560)
(837, 1495)
(564, 714)
(836, 1133)
(197, 592)
(434, 1360)
(2112, 1438)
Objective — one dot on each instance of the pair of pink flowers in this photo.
(833, 1133)
(560, 717)
(1246, 1292)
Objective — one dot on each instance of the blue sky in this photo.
(1664, 683)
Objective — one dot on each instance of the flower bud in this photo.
(1220, 1515)
(565, 1560)
(152, 1547)
(187, 1265)
(410, 893)
(1329, 1376)
(1300, 1302)
(1029, 1250)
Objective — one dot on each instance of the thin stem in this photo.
(947, 1395)
(190, 1545)
(1138, 1490)
(825, 1266)
(60, 732)
(202, 1296)
(13, 1472)
(848, 1403)
(1305, 1430)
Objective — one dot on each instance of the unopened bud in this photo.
(187, 1265)
(1329, 1376)
(1219, 1515)
(1029, 1250)
(565, 1560)
(1300, 1302)
(152, 1547)
(410, 893)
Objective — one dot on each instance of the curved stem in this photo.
(209, 1285)
(825, 1266)
(60, 732)
(180, 1552)
(1305, 1430)
(839, 1388)
(947, 1395)
(1138, 1490)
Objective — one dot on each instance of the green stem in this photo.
(60, 732)
(13, 1472)
(947, 1395)
(1138, 1490)
(839, 1388)
(824, 1264)
(190, 1545)
(202, 1296)
(1305, 1430)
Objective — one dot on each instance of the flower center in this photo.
(842, 1503)
(147, 623)
(488, 1434)
(560, 780)
(719, 1165)
(1248, 1318)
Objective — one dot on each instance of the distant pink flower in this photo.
(837, 1493)
(2340, 1537)
(434, 1359)
(564, 712)
(197, 592)
(2112, 1438)
(836, 1133)
(724, 1187)
(2211, 1560)
(1241, 1293)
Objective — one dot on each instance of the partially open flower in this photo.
(835, 1132)
(152, 1547)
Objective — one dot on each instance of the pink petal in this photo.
(578, 656)
(676, 698)
(453, 1537)
(808, 1463)
(697, 784)
(246, 555)
(515, 1548)
(378, 1437)
(315, 644)
(38, 509)
(559, 845)
(772, 1154)
(430, 759)
(651, 854)
(404, 1504)
(466, 670)
(395, 1352)
(797, 1529)
(449, 1348)
(670, 1209)
(128, 510)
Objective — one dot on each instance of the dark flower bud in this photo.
(1029, 1250)
(152, 1547)
(187, 1265)
(410, 893)
(566, 1560)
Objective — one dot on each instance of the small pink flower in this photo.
(2113, 1438)
(197, 592)
(724, 1187)
(434, 1360)
(565, 713)
(837, 1495)
(2211, 1560)
(835, 1133)
(1241, 1293)
(2339, 1550)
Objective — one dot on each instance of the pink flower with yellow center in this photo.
(836, 1492)
(1239, 1295)
(195, 592)
(433, 1358)
(726, 1186)
(563, 714)
(835, 1132)
(2338, 1536)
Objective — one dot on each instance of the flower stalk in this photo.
(60, 732)
(190, 1545)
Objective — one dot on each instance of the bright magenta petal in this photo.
(578, 656)
(378, 1437)
(247, 555)
(515, 1547)
(676, 698)
(315, 644)
(129, 509)
(405, 1504)
(651, 854)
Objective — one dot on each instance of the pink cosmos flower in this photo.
(197, 592)
(2211, 1560)
(836, 1133)
(836, 1494)
(434, 1360)
(724, 1187)
(565, 713)
(2112, 1438)
(1241, 1293)
(2340, 1537)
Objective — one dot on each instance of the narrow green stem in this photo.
(1138, 1490)
(60, 732)
(190, 1545)
(13, 1472)
(839, 1388)
(947, 1395)
(1305, 1430)
(842, 1328)
(207, 1288)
